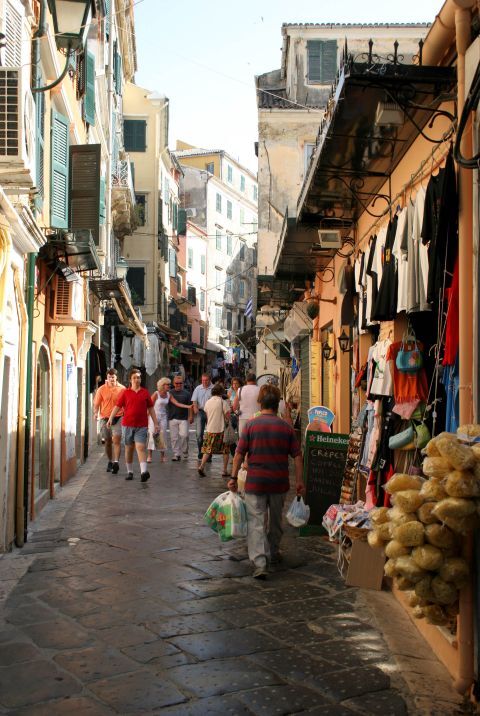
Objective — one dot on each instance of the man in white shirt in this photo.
(246, 401)
(200, 396)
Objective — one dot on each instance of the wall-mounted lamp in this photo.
(327, 352)
(121, 268)
(344, 342)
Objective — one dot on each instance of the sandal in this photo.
(225, 474)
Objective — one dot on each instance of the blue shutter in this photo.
(59, 172)
(40, 147)
(103, 214)
(107, 17)
(118, 72)
(89, 100)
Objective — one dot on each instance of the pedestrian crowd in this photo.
(249, 423)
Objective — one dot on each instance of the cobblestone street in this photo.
(124, 602)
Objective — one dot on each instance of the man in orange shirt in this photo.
(105, 400)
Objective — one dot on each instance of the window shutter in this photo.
(118, 72)
(107, 17)
(80, 75)
(103, 214)
(85, 167)
(59, 172)
(136, 282)
(172, 263)
(40, 148)
(135, 134)
(89, 99)
(314, 50)
(175, 217)
(13, 35)
(329, 61)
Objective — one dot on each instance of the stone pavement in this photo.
(124, 602)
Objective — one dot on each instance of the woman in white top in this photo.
(160, 399)
(246, 401)
(218, 411)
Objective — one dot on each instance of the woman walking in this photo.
(160, 398)
(218, 411)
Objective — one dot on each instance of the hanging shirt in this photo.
(371, 279)
(385, 308)
(400, 252)
(382, 383)
(407, 387)
(126, 353)
(152, 354)
(417, 260)
(138, 352)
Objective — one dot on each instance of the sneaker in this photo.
(176, 458)
(145, 476)
(260, 573)
(109, 466)
(201, 472)
(129, 476)
(115, 468)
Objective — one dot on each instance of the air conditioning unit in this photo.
(65, 301)
(17, 133)
(329, 239)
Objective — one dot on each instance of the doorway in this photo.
(58, 412)
(41, 467)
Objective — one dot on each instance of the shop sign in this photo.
(324, 415)
(324, 460)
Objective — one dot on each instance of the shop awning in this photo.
(215, 347)
(116, 291)
(376, 112)
(71, 252)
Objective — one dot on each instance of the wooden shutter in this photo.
(14, 17)
(107, 17)
(103, 214)
(117, 58)
(40, 148)
(81, 75)
(59, 172)
(135, 132)
(322, 60)
(182, 222)
(172, 263)
(175, 217)
(62, 297)
(89, 99)
(314, 50)
(329, 61)
(85, 166)
(136, 282)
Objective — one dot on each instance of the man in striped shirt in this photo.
(268, 441)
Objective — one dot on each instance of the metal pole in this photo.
(31, 262)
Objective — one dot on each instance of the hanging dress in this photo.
(385, 308)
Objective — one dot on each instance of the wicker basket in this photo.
(355, 533)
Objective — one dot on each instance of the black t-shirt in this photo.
(182, 396)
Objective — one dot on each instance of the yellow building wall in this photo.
(200, 162)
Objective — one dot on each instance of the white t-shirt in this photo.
(248, 401)
(216, 408)
(382, 380)
(400, 253)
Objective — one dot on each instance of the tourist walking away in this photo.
(268, 442)
(179, 418)
(217, 411)
(137, 405)
(200, 396)
(246, 401)
(103, 404)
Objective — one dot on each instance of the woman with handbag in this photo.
(218, 411)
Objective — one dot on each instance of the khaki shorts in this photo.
(107, 433)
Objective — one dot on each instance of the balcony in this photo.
(124, 219)
(17, 129)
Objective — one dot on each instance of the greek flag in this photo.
(249, 308)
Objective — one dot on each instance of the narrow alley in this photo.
(124, 602)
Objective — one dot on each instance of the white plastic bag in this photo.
(227, 515)
(298, 513)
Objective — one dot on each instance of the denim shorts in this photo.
(134, 435)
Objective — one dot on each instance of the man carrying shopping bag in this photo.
(268, 441)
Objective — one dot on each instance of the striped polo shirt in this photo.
(269, 441)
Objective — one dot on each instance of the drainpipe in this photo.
(463, 21)
(20, 487)
(28, 387)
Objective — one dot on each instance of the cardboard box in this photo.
(366, 566)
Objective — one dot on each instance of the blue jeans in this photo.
(200, 424)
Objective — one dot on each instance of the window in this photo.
(203, 264)
(308, 148)
(218, 239)
(255, 192)
(229, 209)
(190, 258)
(322, 61)
(189, 332)
(59, 189)
(202, 336)
(218, 317)
(141, 208)
(242, 289)
(210, 167)
(242, 183)
(179, 283)
(172, 262)
(242, 216)
(229, 244)
(218, 278)
(219, 203)
(135, 135)
(242, 250)
(239, 321)
(136, 282)
(229, 320)
(202, 300)
(229, 174)
(228, 284)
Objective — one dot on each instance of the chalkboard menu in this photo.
(323, 466)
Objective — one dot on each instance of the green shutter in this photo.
(59, 172)
(107, 17)
(175, 217)
(314, 50)
(182, 222)
(134, 135)
(322, 60)
(329, 61)
(118, 72)
(103, 214)
(85, 172)
(40, 147)
(89, 100)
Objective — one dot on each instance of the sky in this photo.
(204, 54)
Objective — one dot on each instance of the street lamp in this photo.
(70, 22)
(344, 342)
(327, 352)
(122, 268)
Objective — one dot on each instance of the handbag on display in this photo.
(409, 357)
(405, 440)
